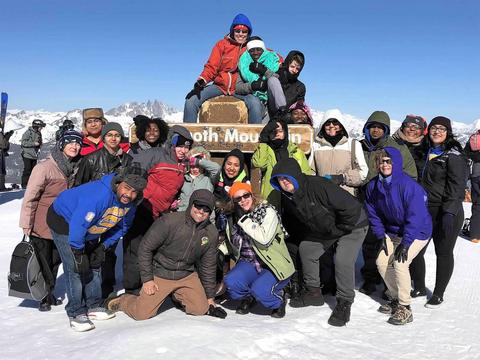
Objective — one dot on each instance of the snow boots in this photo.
(280, 312)
(389, 308)
(310, 296)
(403, 315)
(246, 305)
(434, 302)
(418, 292)
(341, 314)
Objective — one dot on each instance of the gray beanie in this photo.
(133, 175)
(112, 126)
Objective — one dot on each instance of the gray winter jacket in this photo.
(31, 143)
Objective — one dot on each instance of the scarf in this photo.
(259, 212)
(67, 166)
(412, 141)
(333, 140)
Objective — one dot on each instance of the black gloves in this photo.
(197, 88)
(258, 68)
(337, 179)
(259, 85)
(82, 264)
(401, 253)
(383, 246)
(97, 257)
(217, 311)
(448, 224)
(268, 132)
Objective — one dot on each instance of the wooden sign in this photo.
(225, 137)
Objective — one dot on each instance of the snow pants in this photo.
(28, 165)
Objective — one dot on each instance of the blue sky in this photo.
(419, 57)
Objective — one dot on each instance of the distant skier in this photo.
(67, 125)
(31, 143)
(4, 146)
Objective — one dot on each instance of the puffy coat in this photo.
(44, 185)
(417, 149)
(93, 213)
(326, 211)
(398, 206)
(222, 65)
(268, 241)
(445, 177)
(88, 146)
(165, 173)
(175, 243)
(99, 163)
(31, 143)
(371, 150)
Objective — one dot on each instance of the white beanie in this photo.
(256, 42)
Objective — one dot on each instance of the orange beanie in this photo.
(239, 186)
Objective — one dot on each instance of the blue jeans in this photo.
(244, 280)
(83, 291)
(192, 105)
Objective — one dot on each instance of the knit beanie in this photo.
(239, 186)
(68, 137)
(112, 126)
(255, 42)
(441, 120)
(133, 175)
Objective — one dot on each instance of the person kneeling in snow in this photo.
(85, 222)
(175, 246)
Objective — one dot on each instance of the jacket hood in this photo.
(332, 114)
(379, 117)
(289, 59)
(397, 160)
(177, 130)
(238, 154)
(290, 169)
(241, 19)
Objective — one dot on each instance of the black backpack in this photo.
(25, 279)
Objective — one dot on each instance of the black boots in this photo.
(280, 312)
(310, 296)
(341, 314)
(246, 305)
(48, 301)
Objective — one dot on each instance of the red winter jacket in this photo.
(221, 67)
(89, 146)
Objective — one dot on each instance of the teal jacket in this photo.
(268, 58)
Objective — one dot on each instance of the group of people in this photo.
(194, 231)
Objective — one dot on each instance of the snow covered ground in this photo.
(450, 332)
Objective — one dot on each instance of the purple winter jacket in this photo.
(398, 207)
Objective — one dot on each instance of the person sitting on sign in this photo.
(151, 132)
(289, 72)
(299, 113)
(257, 76)
(221, 69)
(274, 147)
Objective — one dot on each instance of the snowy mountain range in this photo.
(123, 114)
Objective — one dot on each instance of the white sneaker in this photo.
(81, 323)
(100, 313)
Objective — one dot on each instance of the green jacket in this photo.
(268, 58)
(268, 242)
(264, 159)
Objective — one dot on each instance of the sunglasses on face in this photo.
(244, 197)
(239, 31)
(203, 208)
(386, 161)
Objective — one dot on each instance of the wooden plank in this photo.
(225, 137)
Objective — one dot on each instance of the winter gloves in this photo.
(259, 85)
(97, 257)
(81, 262)
(401, 253)
(197, 88)
(268, 132)
(217, 311)
(383, 246)
(258, 68)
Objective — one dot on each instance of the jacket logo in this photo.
(89, 217)
(204, 241)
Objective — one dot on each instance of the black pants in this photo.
(49, 259)
(475, 219)
(108, 272)
(370, 249)
(131, 241)
(444, 244)
(28, 165)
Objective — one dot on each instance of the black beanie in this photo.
(441, 120)
(133, 175)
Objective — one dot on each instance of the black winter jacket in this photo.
(293, 88)
(99, 163)
(326, 211)
(445, 178)
(175, 244)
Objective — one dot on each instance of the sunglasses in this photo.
(239, 31)
(386, 161)
(244, 197)
(203, 208)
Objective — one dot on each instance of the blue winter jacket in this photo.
(94, 212)
(398, 207)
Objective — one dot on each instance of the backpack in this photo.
(475, 141)
(25, 279)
